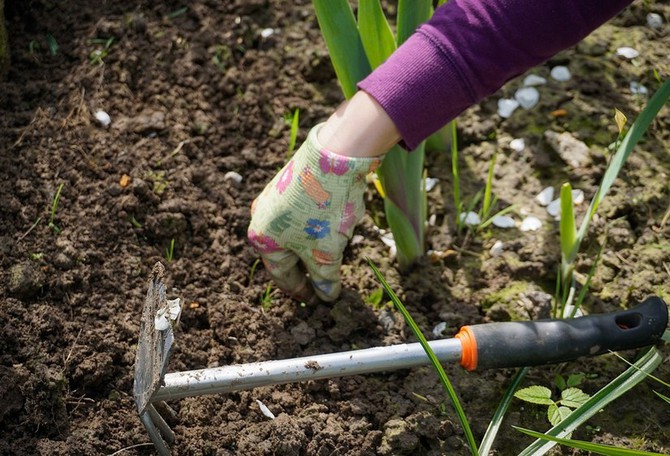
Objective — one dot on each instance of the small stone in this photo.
(497, 249)
(506, 107)
(654, 21)
(561, 73)
(267, 33)
(470, 218)
(517, 144)
(627, 52)
(545, 196)
(103, 118)
(534, 80)
(531, 223)
(232, 176)
(527, 97)
(503, 221)
(573, 151)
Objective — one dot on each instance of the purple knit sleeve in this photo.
(469, 49)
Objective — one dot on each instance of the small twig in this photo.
(130, 448)
(67, 358)
(30, 229)
(175, 151)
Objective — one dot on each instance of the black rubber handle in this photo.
(532, 343)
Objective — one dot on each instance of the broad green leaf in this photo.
(411, 14)
(574, 397)
(635, 374)
(535, 394)
(433, 359)
(339, 30)
(375, 32)
(597, 448)
(559, 381)
(556, 414)
(575, 379)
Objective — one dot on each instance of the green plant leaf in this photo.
(567, 225)
(575, 379)
(559, 381)
(433, 359)
(375, 32)
(411, 14)
(598, 448)
(339, 30)
(556, 413)
(535, 394)
(574, 397)
(665, 398)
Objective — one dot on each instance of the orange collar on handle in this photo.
(468, 348)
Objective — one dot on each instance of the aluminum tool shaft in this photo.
(252, 375)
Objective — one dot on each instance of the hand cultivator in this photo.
(491, 345)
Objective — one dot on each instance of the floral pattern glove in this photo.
(306, 215)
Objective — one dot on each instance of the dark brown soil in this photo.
(194, 91)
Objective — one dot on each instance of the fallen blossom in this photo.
(517, 144)
(654, 20)
(431, 182)
(232, 176)
(264, 410)
(497, 248)
(534, 80)
(627, 52)
(470, 218)
(103, 118)
(545, 196)
(561, 73)
(527, 97)
(503, 221)
(554, 208)
(506, 107)
(530, 223)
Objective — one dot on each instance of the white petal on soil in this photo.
(545, 196)
(561, 73)
(577, 196)
(506, 107)
(627, 52)
(431, 182)
(387, 238)
(497, 248)
(233, 176)
(503, 221)
(439, 328)
(103, 118)
(517, 144)
(432, 220)
(267, 33)
(527, 97)
(531, 223)
(654, 21)
(554, 208)
(264, 410)
(638, 89)
(471, 218)
(357, 239)
(534, 80)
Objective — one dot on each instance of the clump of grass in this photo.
(169, 251)
(54, 208)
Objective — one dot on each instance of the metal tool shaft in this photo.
(247, 376)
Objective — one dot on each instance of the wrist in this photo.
(359, 128)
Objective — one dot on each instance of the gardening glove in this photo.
(306, 215)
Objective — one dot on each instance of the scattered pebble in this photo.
(431, 182)
(103, 118)
(267, 33)
(264, 410)
(233, 176)
(627, 52)
(506, 107)
(438, 330)
(527, 97)
(497, 248)
(534, 80)
(654, 21)
(531, 223)
(554, 208)
(638, 89)
(503, 221)
(470, 218)
(545, 196)
(561, 73)
(517, 144)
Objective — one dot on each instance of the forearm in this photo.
(469, 49)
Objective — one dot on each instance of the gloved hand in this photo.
(306, 215)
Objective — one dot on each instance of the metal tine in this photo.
(160, 423)
(154, 434)
(165, 410)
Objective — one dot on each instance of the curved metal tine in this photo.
(160, 423)
(154, 434)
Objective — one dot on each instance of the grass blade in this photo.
(431, 355)
(649, 361)
(598, 448)
(339, 30)
(486, 205)
(375, 32)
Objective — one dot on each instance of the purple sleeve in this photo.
(469, 49)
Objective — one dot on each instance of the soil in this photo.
(195, 91)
